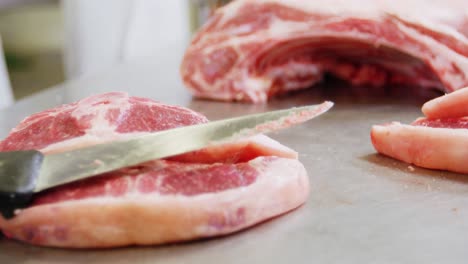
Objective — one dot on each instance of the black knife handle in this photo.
(19, 171)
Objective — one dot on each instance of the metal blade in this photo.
(81, 163)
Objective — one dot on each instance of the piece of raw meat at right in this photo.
(439, 141)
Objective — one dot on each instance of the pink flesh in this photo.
(149, 218)
(43, 132)
(350, 59)
(150, 117)
(252, 50)
(125, 114)
(442, 122)
(113, 115)
(67, 122)
(213, 191)
(435, 143)
(158, 177)
(427, 147)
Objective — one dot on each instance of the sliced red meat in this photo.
(214, 191)
(252, 50)
(439, 141)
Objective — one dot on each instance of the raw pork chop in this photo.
(438, 141)
(214, 191)
(251, 50)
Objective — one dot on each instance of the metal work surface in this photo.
(363, 207)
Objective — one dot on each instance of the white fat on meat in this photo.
(258, 39)
(437, 141)
(214, 191)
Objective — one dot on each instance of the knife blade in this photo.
(23, 173)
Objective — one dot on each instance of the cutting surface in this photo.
(363, 207)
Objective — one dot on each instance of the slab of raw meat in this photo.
(251, 50)
(439, 141)
(215, 191)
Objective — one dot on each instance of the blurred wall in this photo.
(32, 34)
(100, 34)
(6, 95)
(48, 41)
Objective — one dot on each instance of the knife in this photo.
(23, 173)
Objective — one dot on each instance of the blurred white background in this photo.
(47, 42)
(98, 37)
(6, 94)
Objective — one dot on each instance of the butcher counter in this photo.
(363, 207)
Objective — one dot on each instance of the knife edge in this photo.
(65, 167)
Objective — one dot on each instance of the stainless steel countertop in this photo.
(363, 207)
